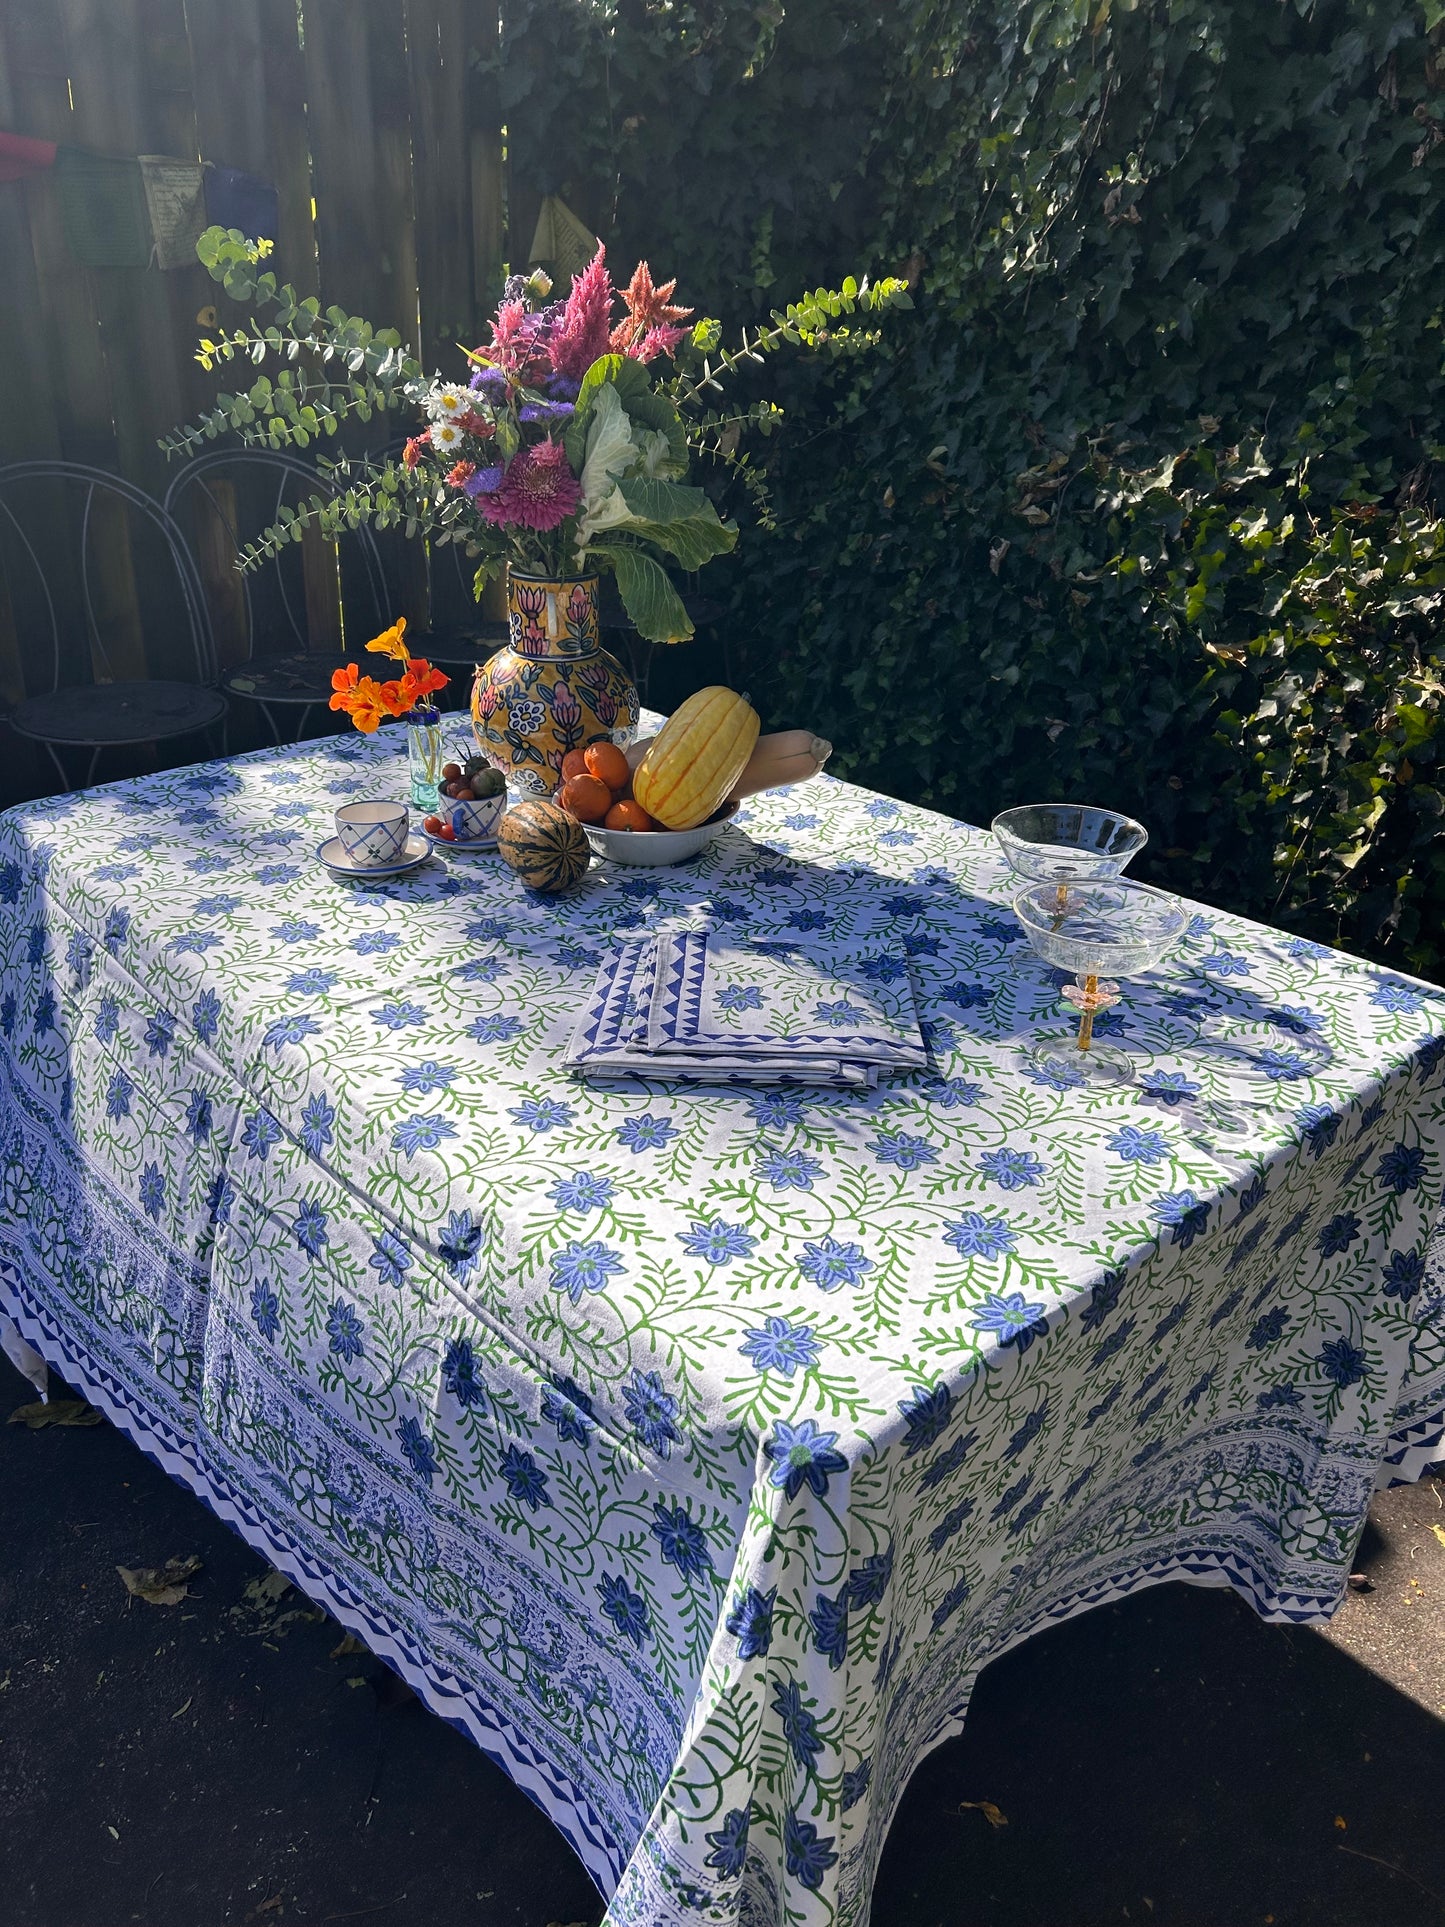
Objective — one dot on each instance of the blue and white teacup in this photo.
(373, 833)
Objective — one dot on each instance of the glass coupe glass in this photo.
(1047, 840)
(1100, 930)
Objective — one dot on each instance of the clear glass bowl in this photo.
(1047, 840)
(1100, 930)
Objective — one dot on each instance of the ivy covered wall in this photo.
(1141, 504)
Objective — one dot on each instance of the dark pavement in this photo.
(1169, 1760)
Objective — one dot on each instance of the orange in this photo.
(629, 816)
(607, 763)
(585, 798)
(574, 763)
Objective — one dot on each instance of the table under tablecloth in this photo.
(692, 1450)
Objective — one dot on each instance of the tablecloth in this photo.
(693, 1449)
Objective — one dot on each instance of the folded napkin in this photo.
(706, 1007)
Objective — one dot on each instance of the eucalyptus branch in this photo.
(301, 404)
(808, 323)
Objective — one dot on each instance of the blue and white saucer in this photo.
(333, 854)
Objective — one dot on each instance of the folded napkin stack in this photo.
(706, 1007)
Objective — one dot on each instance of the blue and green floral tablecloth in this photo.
(693, 1449)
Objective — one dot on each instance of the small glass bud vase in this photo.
(424, 755)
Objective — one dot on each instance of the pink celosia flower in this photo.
(581, 332)
(516, 346)
(649, 309)
(661, 340)
(538, 491)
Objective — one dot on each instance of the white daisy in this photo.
(446, 401)
(445, 435)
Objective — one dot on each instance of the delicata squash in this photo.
(696, 758)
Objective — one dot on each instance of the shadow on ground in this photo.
(1169, 1760)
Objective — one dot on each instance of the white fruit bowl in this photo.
(652, 848)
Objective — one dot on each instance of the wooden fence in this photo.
(373, 120)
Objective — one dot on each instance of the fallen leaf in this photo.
(160, 1585)
(111, 1831)
(351, 1644)
(1439, 1532)
(1360, 1582)
(987, 1808)
(267, 1590)
(60, 1411)
(182, 1709)
(1340, 1822)
(271, 1906)
(357, 1679)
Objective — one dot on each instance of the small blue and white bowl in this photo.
(474, 822)
(373, 833)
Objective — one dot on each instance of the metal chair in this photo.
(296, 679)
(56, 590)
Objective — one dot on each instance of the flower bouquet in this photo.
(561, 454)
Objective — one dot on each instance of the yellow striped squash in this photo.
(697, 757)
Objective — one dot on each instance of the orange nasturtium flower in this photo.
(343, 682)
(391, 642)
(421, 680)
(368, 702)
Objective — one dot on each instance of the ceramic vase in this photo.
(553, 687)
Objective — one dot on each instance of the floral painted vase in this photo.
(553, 687)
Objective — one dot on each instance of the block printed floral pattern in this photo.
(693, 1449)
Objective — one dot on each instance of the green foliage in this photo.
(1143, 503)
(626, 440)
